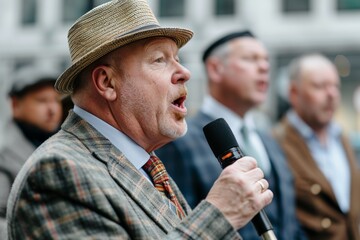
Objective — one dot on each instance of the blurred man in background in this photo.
(36, 115)
(324, 166)
(237, 68)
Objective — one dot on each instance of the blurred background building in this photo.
(36, 30)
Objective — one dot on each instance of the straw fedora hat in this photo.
(108, 27)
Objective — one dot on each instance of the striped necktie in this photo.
(156, 170)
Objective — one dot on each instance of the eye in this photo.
(248, 58)
(159, 60)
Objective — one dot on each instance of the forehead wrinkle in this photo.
(150, 42)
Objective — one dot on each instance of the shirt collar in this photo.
(333, 129)
(215, 109)
(132, 151)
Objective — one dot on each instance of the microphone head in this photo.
(219, 136)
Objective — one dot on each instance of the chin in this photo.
(174, 131)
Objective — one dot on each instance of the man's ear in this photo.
(215, 69)
(104, 82)
(15, 106)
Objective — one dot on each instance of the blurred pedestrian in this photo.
(237, 68)
(36, 115)
(324, 165)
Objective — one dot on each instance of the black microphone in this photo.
(226, 149)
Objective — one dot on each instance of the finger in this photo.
(245, 164)
(255, 174)
(262, 185)
(267, 197)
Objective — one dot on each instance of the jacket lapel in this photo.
(308, 165)
(355, 180)
(123, 172)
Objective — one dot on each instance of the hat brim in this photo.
(64, 84)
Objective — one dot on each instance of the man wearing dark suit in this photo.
(98, 177)
(326, 173)
(237, 68)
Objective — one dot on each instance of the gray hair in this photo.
(221, 52)
(296, 66)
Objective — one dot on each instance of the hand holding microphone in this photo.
(240, 192)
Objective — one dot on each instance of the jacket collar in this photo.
(122, 171)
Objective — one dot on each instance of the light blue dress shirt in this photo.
(132, 151)
(330, 157)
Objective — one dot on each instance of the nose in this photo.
(182, 74)
(264, 65)
(333, 91)
(54, 107)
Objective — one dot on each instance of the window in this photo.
(224, 7)
(64, 63)
(171, 8)
(23, 62)
(290, 6)
(28, 12)
(348, 4)
(72, 10)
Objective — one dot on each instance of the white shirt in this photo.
(215, 109)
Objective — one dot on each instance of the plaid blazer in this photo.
(193, 166)
(317, 207)
(77, 185)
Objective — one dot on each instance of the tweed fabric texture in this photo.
(77, 185)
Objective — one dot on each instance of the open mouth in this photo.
(179, 102)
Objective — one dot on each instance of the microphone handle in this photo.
(260, 221)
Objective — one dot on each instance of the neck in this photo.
(237, 107)
(322, 135)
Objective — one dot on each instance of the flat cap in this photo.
(30, 78)
(223, 40)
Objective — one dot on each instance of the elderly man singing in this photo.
(98, 177)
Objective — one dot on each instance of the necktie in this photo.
(248, 148)
(155, 168)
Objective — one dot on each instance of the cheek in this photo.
(57, 111)
(317, 99)
(245, 70)
(236, 71)
(39, 111)
(311, 98)
(240, 76)
(29, 109)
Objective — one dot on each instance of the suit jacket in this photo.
(77, 185)
(193, 166)
(317, 207)
(13, 155)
